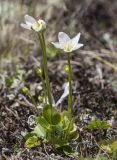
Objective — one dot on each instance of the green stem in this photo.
(33, 101)
(43, 83)
(44, 88)
(70, 85)
(43, 46)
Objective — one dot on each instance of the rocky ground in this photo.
(94, 80)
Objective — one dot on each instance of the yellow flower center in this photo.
(36, 26)
(68, 47)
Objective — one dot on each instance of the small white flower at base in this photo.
(67, 44)
(32, 24)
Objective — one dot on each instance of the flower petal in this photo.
(77, 46)
(29, 20)
(63, 37)
(75, 40)
(57, 45)
(25, 26)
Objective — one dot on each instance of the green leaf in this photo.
(20, 75)
(110, 148)
(66, 114)
(42, 121)
(113, 146)
(68, 151)
(51, 115)
(65, 121)
(47, 113)
(28, 135)
(9, 81)
(56, 117)
(98, 124)
(60, 142)
(73, 135)
(32, 142)
(106, 148)
(40, 131)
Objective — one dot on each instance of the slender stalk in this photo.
(33, 101)
(43, 83)
(70, 85)
(43, 46)
(44, 88)
(27, 92)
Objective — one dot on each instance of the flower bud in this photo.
(66, 69)
(38, 71)
(25, 90)
(40, 99)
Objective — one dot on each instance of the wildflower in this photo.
(34, 25)
(67, 44)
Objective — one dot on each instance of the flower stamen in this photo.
(67, 47)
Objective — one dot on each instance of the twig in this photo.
(101, 148)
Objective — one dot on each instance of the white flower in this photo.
(66, 43)
(32, 24)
